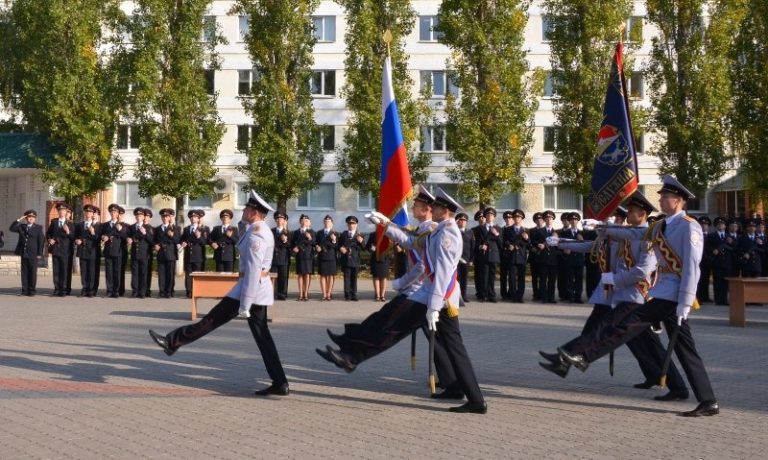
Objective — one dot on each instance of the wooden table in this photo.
(742, 291)
(212, 285)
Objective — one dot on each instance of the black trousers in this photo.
(574, 282)
(225, 266)
(720, 284)
(592, 278)
(547, 280)
(70, 269)
(601, 342)
(449, 336)
(112, 267)
(282, 281)
(139, 277)
(518, 278)
(488, 280)
(463, 274)
(149, 276)
(166, 277)
(506, 283)
(535, 281)
(480, 276)
(702, 291)
(191, 267)
(646, 347)
(222, 313)
(350, 282)
(88, 276)
(60, 267)
(28, 275)
(379, 331)
(123, 265)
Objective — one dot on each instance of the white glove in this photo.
(553, 241)
(682, 313)
(607, 278)
(590, 224)
(243, 312)
(377, 218)
(433, 316)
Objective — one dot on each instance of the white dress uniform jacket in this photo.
(411, 281)
(256, 247)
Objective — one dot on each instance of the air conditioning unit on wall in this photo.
(223, 185)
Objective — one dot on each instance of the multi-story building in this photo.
(21, 189)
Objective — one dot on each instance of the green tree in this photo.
(750, 88)
(582, 39)
(490, 123)
(359, 160)
(165, 65)
(284, 156)
(63, 83)
(690, 89)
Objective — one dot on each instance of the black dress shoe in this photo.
(559, 369)
(162, 341)
(551, 357)
(704, 409)
(336, 338)
(491, 300)
(577, 361)
(274, 389)
(449, 393)
(471, 408)
(648, 384)
(672, 396)
(337, 357)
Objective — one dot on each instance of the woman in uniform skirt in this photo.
(379, 268)
(326, 241)
(303, 244)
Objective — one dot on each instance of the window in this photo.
(427, 26)
(244, 27)
(636, 85)
(547, 28)
(245, 80)
(128, 137)
(561, 197)
(209, 29)
(434, 139)
(634, 30)
(549, 85)
(210, 76)
(327, 137)
(441, 82)
(321, 197)
(324, 28)
(245, 135)
(550, 139)
(365, 201)
(200, 202)
(323, 83)
(509, 200)
(127, 194)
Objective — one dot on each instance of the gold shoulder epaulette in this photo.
(689, 218)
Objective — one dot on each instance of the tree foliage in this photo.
(690, 88)
(582, 40)
(490, 123)
(284, 156)
(64, 85)
(164, 65)
(750, 88)
(359, 160)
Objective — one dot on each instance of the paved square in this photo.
(81, 379)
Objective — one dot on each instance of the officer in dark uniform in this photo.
(194, 240)
(112, 235)
(750, 250)
(281, 260)
(223, 240)
(480, 219)
(732, 237)
(60, 234)
(506, 272)
(488, 256)
(533, 255)
(519, 241)
(702, 291)
(99, 249)
(124, 249)
(87, 236)
(573, 261)
(351, 242)
(326, 242)
(71, 258)
(303, 247)
(139, 241)
(167, 236)
(30, 247)
(467, 252)
(547, 259)
(719, 247)
(150, 261)
(562, 266)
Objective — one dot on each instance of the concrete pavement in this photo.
(81, 379)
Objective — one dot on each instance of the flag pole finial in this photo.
(387, 37)
(621, 30)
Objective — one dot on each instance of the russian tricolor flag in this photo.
(395, 176)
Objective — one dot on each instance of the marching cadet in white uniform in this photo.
(249, 298)
(678, 244)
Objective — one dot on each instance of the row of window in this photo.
(324, 28)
